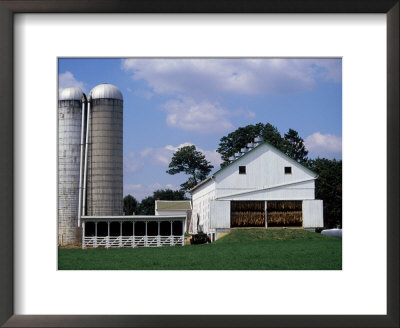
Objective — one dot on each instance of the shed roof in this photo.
(167, 205)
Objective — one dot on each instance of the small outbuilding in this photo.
(261, 187)
(175, 207)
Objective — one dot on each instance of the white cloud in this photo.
(132, 187)
(329, 70)
(195, 84)
(203, 117)
(212, 156)
(162, 156)
(156, 156)
(199, 77)
(244, 113)
(175, 148)
(324, 145)
(143, 93)
(146, 151)
(140, 191)
(67, 79)
(132, 162)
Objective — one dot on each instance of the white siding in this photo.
(313, 214)
(298, 191)
(201, 207)
(264, 167)
(170, 212)
(220, 214)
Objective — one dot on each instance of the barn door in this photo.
(220, 210)
(284, 213)
(247, 214)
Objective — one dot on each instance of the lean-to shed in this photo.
(175, 207)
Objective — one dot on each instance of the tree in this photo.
(130, 205)
(147, 206)
(168, 194)
(294, 146)
(328, 187)
(234, 141)
(271, 134)
(191, 162)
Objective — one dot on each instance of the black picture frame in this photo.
(7, 10)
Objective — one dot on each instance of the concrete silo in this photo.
(71, 104)
(104, 171)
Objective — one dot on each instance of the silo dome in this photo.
(105, 91)
(72, 93)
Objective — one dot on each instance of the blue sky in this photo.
(173, 102)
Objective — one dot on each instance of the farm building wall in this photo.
(265, 167)
(170, 212)
(220, 214)
(313, 214)
(201, 212)
(296, 191)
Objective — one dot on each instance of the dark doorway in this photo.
(102, 229)
(247, 214)
(177, 228)
(115, 229)
(127, 228)
(140, 228)
(89, 229)
(152, 228)
(165, 228)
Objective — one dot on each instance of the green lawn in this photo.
(252, 249)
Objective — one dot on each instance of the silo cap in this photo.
(105, 90)
(72, 93)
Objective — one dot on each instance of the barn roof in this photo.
(252, 149)
(166, 205)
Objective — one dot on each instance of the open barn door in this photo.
(247, 214)
(284, 213)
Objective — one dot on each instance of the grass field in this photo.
(252, 249)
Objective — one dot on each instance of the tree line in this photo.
(190, 161)
(147, 205)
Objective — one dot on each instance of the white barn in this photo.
(260, 187)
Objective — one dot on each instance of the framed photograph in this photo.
(218, 171)
(44, 42)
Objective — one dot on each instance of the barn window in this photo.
(242, 169)
(288, 170)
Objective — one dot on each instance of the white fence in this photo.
(132, 241)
